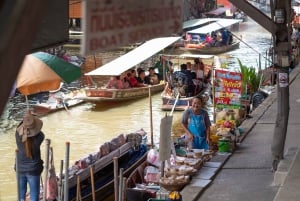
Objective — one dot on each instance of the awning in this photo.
(221, 23)
(134, 57)
(196, 22)
(217, 11)
(200, 56)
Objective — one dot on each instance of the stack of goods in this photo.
(223, 133)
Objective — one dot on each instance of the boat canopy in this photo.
(197, 22)
(218, 11)
(200, 56)
(134, 57)
(219, 24)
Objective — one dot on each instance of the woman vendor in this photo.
(196, 124)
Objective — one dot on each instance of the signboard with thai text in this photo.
(109, 24)
(228, 89)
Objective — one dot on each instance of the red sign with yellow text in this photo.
(116, 23)
(228, 88)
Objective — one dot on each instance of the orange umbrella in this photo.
(44, 72)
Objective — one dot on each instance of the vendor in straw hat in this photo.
(29, 138)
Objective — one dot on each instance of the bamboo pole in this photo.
(17, 174)
(120, 185)
(46, 168)
(116, 183)
(124, 188)
(60, 183)
(92, 182)
(151, 118)
(78, 193)
(66, 183)
(173, 108)
(213, 94)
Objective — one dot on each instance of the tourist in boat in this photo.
(125, 81)
(163, 66)
(153, 77)
(115, 83)
(142, 78)
(196, 124)
(199, 69)
(133, 81)
(182, 81)
(29, 138)
(208, 38)
(225, 37)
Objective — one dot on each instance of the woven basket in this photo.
(174, 187)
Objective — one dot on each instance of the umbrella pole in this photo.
(27, 103)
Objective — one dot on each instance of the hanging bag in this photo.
(52, 187)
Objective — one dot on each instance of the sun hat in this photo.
(30, 126)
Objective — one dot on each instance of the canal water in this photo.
(87, 126)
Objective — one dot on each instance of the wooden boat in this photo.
(104, 94)
(202, 90)
(121, 65)
(130, 155)
(182, 103)
(195, 42)
(42, 109)
(57, 100)
(199, 49)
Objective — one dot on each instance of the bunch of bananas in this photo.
(175, 196)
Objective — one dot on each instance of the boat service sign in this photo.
(109, 24)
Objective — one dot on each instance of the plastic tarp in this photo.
(217, 11)
(221, 23)
(134, 57)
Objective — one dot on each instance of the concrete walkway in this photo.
(246, 174)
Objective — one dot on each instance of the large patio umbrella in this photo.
(44, 72)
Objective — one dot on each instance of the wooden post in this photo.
(124, 189)
(120, 185)
(46, 168)
(60, 183)
(66, 183)
(116, 183)
(78, 190)
(151, 118)
(92, 182)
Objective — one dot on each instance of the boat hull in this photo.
(44, 108)
(108, 189)
(183, 102)
(212, 50)
(99, 95)
(104, 176)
